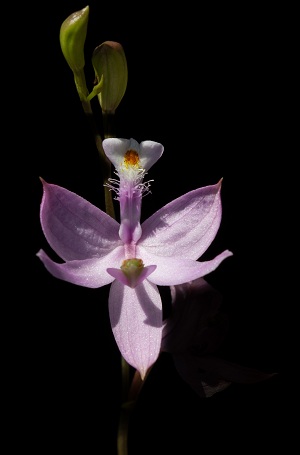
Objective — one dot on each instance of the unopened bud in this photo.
(110, 65)
(72, 37)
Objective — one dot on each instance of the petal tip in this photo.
(44, 183)
(142, 374)
(39, 254)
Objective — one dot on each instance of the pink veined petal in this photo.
(178, 270)
(205, 383)
(231, 371)
(136, 320)
(194, 305)
(90, 273)
(208, 375)
(187, 225)
(73, 227)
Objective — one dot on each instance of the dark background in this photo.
(207, 84)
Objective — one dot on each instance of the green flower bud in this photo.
(72, 38)
(110, 65)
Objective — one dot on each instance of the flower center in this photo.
(132, 272)
(132, 267)
(131, 158)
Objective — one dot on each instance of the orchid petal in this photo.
(233, 372)
(194, 306)
(178, 270)
(208, 375)
(90, 273)
(204, 383)
(73, 227)
(196, 329)
(149, 151)
(187, 225)
(136, 320)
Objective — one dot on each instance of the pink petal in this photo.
(90, 273)
(136, 320)
(233, 372)
(185, 226)
(195, 320)
(178, 270)
(203, 382)
(209, 375)
(74, 228)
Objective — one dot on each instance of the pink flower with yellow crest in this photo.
(133, 258)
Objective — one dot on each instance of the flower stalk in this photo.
(130, 397)
(72, 38)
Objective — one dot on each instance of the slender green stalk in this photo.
(106, 165)
(130, 396)
(109, 124)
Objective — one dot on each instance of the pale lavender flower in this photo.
(133, 258)
(193, 334)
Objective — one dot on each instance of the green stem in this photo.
(130, 396)
(122, 440)
(125, 371)
(106, 165)
(109, 124)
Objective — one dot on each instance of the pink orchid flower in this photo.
(193, 334)
(133, 258)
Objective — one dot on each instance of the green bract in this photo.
(109, 62)
(72, 38)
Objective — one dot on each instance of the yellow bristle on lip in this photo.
(131, 158)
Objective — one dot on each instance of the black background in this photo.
(207, 84)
